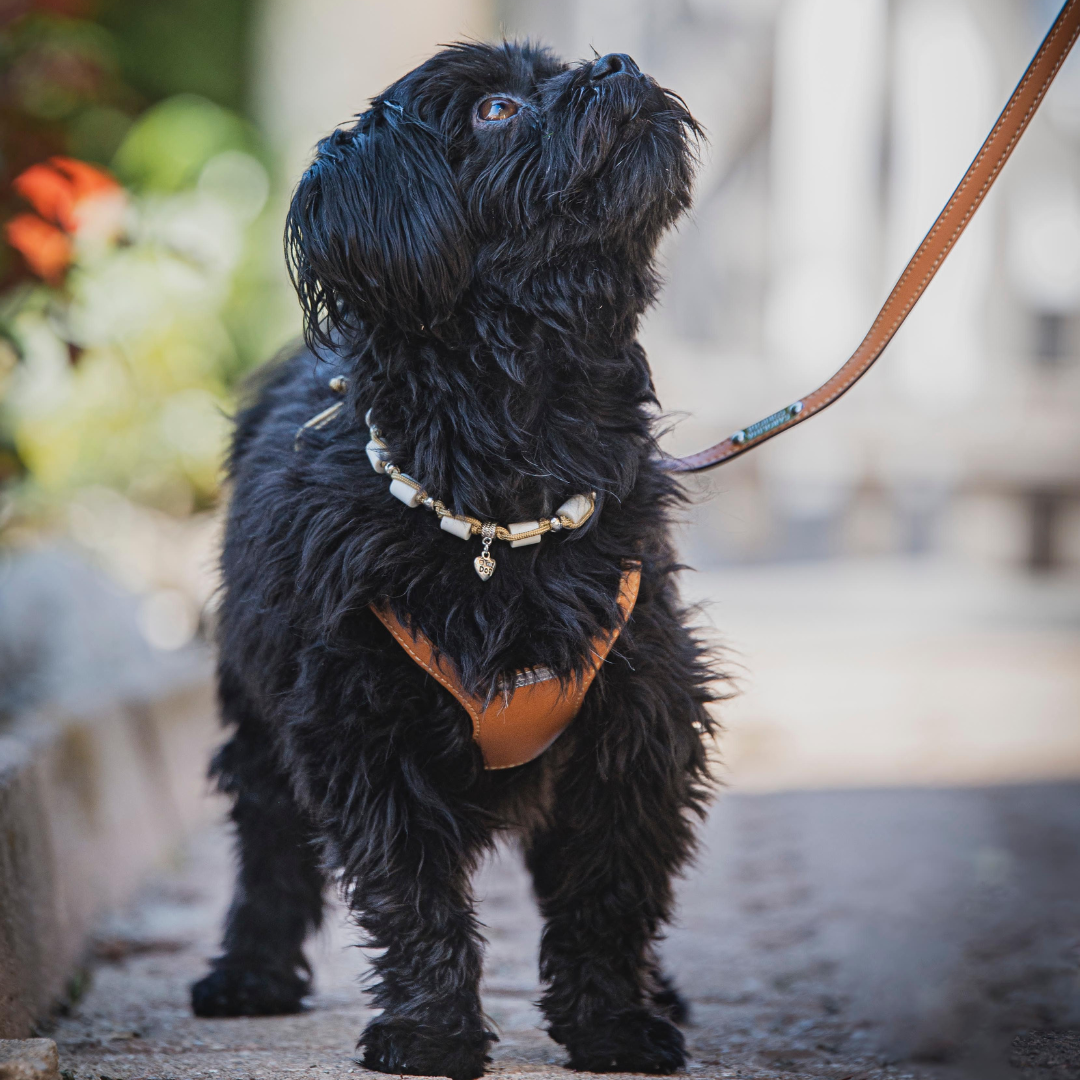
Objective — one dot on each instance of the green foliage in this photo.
(72, 85)
(126, 369)
(168, 47)
(124, 373)
(171, 142)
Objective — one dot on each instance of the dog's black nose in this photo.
(614, 63)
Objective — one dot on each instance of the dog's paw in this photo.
(236, 991)
(398, 1045)
(632, 1041)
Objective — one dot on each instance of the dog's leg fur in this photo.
(278, 898)
(603, 865)
(407, 855)
(602, 913)
(667, 999)
(418, 907)
(392, 797)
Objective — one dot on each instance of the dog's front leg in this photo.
(278, 899)
(603, 864)
(408, 853)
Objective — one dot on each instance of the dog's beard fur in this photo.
(481, 287)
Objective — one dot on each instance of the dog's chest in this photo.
(531, 707)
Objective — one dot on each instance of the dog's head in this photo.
(491, 178)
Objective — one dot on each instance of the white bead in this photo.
(409, 495)
(458, 526)
(524, 526)
(377, 456)
(575, 508)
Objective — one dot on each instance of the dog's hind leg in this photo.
(278, 897)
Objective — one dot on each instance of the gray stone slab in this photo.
(103, 750)
(69, 639)
(29, 1059)
(87, 805)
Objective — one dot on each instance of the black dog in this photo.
(473, 256)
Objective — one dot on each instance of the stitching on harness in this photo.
(434, 671)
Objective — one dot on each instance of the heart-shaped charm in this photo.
(485, 566)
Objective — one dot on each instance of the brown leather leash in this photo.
(925, 263)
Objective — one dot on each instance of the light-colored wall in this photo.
(88, 805)
(319, 61)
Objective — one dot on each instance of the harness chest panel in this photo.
(520, 725)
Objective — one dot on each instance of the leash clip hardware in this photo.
(763, 427)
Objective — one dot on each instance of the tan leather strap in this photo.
(516, 727)
(925, 263)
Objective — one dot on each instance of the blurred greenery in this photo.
(122, 373)
(74, 74)
(173, 140)
(167, 47)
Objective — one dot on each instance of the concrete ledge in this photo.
(87, 806)
(29, 1059)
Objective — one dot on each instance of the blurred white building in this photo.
(837, 130)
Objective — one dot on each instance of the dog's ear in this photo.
(376, 231)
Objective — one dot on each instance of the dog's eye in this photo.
(496, 108)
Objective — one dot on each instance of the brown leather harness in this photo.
(521, 724)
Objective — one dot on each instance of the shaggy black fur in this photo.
(480, 283)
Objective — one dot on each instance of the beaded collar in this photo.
(571, 515)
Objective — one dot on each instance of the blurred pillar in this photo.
(319, 61)
(944, 102)
(826, 156)
(828, 109)
(611, 26)
(1044, 257)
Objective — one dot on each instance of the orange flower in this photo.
(69, 194)
(45, 248)
(56, 188)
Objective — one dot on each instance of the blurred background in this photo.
(897, 583)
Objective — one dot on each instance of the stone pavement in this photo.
(840, 934)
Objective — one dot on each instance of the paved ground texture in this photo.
(921, 933)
